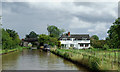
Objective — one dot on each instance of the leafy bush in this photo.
(105, 47)
(90, 47)
(10, 39)
(66, 55)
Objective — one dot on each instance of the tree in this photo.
(46, 39)
(114, 34)
(6, 40)
(43, 39)
(94, 37)
(32, 35)
(12, 33)
(93, 40)
(53, 41)
(98, 43)
(10, 39)
(15, 37)
(54, 31)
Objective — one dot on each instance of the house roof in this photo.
(76, 36)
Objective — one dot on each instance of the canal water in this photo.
(36, 60)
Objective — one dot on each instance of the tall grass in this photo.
(94, 59)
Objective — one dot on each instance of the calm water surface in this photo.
(36, 60)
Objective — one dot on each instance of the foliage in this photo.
(90, 47)
(99, 44)
(46, 39)
(32, 35)
(94, 37)
(6, 40)
(0, 39)
(105, 47)
(54, 31)
(93, 40)
(96, 43)
(14, 36)
(113, 39)
(53, 41)
(10, 39)
(43, 39)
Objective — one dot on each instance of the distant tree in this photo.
(93, 40)
(98, 43)
(53, 41)
(32, 35)
(43, 39)
(46, 39)
(54, 31)
(94, 37)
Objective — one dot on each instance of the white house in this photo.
(78, 41)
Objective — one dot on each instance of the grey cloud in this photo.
(30, 19)
(23, 17)
(119, 9)
(0, 8)
(94, 18)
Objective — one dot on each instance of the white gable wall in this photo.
(76, 43)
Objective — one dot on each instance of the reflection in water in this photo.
(36, 60)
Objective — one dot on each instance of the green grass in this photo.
(10, 50)
(96, 59)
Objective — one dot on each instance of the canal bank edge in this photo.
(83, 63)
(2, 52)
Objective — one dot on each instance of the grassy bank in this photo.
(93, 59)
(5, 51)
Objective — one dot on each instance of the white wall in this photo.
(76, 45)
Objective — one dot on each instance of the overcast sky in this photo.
(93, 18)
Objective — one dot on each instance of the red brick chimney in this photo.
(69, 34)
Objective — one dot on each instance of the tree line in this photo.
(10, 39)
(113, 39)
(51, 39)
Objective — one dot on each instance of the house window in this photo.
(63, 45)
(68, 39)
(86, 45)
(81, 45)
(71, 45)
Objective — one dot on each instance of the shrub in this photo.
(105, 47)
(90, 47)
(66, 55)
